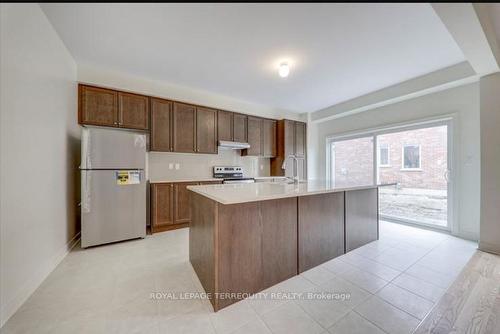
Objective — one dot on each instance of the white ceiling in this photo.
(337, 51)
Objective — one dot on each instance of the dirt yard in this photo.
(412, 204)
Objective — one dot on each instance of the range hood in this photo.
(235, 145)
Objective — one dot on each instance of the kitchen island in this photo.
(245, 238)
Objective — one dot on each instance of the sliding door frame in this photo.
(449, 120)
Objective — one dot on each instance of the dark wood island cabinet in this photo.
(242, 242)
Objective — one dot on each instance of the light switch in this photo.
(171, 166)
(177, 166)
(261, 167)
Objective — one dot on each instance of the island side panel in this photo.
(239, 264)
(279, 218)
(257, 246)
(320, 229)
(202, 241)
(361, 217)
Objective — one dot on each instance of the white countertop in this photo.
(252, 192)
(183, 180)
(257, 178)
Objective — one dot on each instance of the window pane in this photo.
(411, 156)
(352, 162)
(384, 155)
(421, 195)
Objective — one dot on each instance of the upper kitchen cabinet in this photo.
(240, 127)
(184, 127)
(269, 138)
(97, 106)
(225, 125)
(133, 111)
(291, 140)
(254, 136)
(107, 107)
(206, 130)
(300, 139)
(161, 125)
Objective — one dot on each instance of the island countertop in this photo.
(252, 192)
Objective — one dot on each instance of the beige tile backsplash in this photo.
(199, 166)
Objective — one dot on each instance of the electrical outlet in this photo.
(177, 166)
(170, 166)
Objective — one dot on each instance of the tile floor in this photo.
(392, 284)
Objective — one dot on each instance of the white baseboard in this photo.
(35, 281)
(472, 236)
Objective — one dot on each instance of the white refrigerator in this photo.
(113, 185)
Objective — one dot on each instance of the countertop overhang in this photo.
(253, 192)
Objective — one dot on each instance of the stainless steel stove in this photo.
(231, 174)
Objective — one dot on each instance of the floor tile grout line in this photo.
(310, 315)
(416, 294)
(353, 310)
(369, 272)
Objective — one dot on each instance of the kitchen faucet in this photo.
(295, 170)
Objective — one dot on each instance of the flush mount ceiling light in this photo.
(284, 70)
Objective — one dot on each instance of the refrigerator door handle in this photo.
(85, 202)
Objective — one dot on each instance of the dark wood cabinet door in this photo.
(361, 217)
(240, 127)
(321, 229)
(182, 198)
(162, 206)
(269, 138)
(300, 139)
(206, 130)
(133, 111)
(254, 136)
(247, 234)
(289, 146)
(279, 238)
(98, 106)
(289, 137)
(161, 125)
(225, 125)
(302, 172)
(184, 127)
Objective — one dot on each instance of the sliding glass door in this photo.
(417, 160)
(414, 157)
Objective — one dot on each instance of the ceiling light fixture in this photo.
(284, 70)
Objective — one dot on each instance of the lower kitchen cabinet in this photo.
(361, 214)
(320, 229)
(171, 205)
(162, 204)
(182, 202)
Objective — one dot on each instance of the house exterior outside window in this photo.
(384, 155)
(411, 157)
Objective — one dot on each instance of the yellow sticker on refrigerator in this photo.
(127, 177)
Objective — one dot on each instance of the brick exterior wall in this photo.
(354, 162)
(354, 159)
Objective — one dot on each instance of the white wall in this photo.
(462, 101)
(39, 146)
(489, 239)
